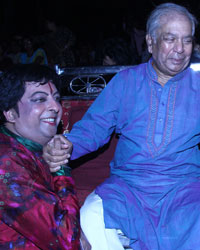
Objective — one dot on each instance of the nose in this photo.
(179, 46)
(54, 105)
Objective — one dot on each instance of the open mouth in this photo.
(50, 121)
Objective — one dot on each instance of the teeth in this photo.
(49, 119)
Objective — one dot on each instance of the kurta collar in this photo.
(153, 75)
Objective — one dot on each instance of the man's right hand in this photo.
(57, 152)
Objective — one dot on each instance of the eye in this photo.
(57, 98)
(188, 40)
(38, 99)
(169, 39)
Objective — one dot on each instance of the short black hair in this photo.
(12, 83)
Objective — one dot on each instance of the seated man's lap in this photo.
(92, 223)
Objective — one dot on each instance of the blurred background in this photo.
(81, 16)
(75, 33)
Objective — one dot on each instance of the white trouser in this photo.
(92, 224)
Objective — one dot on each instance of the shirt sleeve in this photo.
(99, 122)
(44, 213)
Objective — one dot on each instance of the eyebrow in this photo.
(172, 34)
(41, 92)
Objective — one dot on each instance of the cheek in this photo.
(189, 51)
(59, 115)
(166, 49)
(161, 51)
(29, 110)
(24, 109)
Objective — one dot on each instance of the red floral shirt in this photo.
(37, 210)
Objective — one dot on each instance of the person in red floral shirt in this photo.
(38, 209)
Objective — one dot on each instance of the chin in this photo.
(50, 136)
(50, 132)
(46, 137)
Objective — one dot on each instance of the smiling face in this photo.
(172, 48)
(39, 113)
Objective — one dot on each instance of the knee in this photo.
(92, 210)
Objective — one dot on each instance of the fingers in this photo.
(55, 162)
(54, 169)
(58, 146)
(62, 139)
(64, 143)
(55, 155)
(57, 152)
(57, 143)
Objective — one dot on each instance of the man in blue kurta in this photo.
(153, 192)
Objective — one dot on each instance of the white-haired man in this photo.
(152, 194)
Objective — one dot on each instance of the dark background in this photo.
(86, 18)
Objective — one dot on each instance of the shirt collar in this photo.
(32, 146)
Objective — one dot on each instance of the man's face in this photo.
(173, 47)
(39, 113)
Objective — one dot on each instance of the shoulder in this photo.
(5, 142)
(22, 56)
(14, 151)
(39, 51)
(194, 72)
(131, 75)
(191, 78)
(133, 71)
(10, 154)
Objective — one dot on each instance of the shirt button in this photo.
(159, 89)
(160, 120)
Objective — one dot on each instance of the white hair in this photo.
(154, 20)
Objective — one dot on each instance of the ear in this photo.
(149, 41)
(10, 115)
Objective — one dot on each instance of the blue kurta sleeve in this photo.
(99, 122)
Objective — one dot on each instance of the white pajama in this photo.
(92, 224)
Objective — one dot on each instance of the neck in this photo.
(162, 79)
(11, 127)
